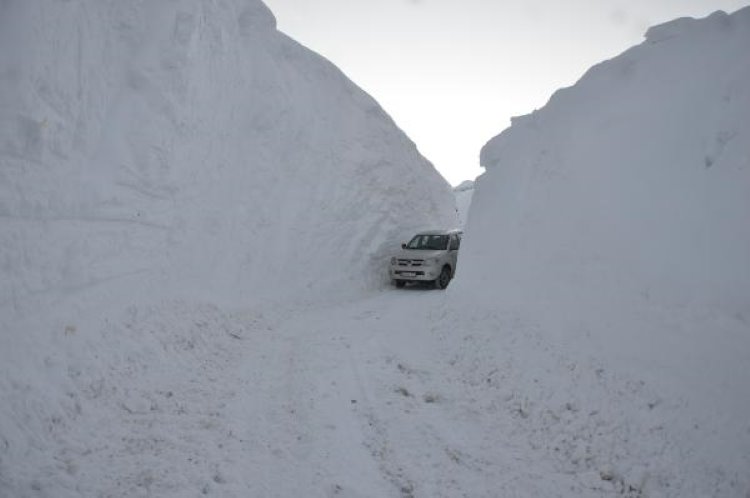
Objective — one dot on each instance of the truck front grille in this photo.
(410, 262)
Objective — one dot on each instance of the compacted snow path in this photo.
(349, 399)
(350, 403)
(358, 403)
(336, 403)
(401, 393)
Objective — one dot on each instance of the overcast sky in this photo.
(451, 73)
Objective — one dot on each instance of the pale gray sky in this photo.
(451, 73)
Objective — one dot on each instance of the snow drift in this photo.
(616, 219)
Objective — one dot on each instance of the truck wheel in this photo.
(400, 283)
(444, 279)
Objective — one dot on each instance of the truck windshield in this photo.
(428, 242)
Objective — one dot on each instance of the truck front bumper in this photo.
(423, 273)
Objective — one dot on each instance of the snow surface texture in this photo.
(617, 220)
(193, 146)
(158, 161)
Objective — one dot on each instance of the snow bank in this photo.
(169, 159)
(616, 220)
(194, 146)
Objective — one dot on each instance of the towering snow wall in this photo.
(636, 179)
(617, 219)
(190, 148)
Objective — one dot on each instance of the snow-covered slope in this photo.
(192, 145)
(463, 193)
(616, 221)
(167, 159)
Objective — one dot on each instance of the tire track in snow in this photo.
(376, 439)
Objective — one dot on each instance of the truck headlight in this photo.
(393, 261)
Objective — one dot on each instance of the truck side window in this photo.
(455, 243)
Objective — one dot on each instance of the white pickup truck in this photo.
(429, 256)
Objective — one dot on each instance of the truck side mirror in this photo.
(403, 245)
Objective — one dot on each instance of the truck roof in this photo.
(440, 232)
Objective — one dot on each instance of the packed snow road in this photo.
(401, 393)
(378, 396)
(349, 400)
(355, 401)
